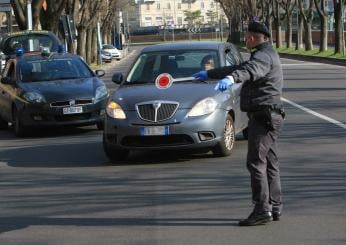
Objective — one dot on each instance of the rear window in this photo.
(53, 69)
(30, 42)
(177, 63)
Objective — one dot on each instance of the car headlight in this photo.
(114, 111)
(33, 97)
(203, 107)
(101, 92)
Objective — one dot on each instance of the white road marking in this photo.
(331, 120)
(304, 64)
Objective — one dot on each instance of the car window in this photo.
(181, 63)
(53, 69)
(32, 42)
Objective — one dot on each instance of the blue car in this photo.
(160, 106)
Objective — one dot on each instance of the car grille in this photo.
(156, 111)
(155, 141)
(71, 102)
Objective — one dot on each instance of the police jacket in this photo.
(261, 77)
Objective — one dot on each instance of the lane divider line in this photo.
(331, 120)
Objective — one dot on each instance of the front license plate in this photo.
(72, 110)
(154, 131)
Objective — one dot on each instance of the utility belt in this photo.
(263, 114)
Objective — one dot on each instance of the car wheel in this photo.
(3, 124)
(225, 146)
(100, 125)
(113, 153)
(245, 133)
(19, 129)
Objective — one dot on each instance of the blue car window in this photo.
(53, 69)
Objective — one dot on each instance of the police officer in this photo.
(262, 82)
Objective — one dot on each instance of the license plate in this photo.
(154, 131)
(72, 110)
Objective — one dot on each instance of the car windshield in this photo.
(53, 69)
(32, 42)
(179, 64)
(107, 46)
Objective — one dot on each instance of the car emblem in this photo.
(72, 102)
(163, 81)
(156, 105)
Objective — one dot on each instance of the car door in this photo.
(7, 91)
(233, 57)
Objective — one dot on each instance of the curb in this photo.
(325, 60)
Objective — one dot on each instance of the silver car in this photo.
(160, 106)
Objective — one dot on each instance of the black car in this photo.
(50, 89)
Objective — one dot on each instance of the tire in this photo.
(19, 129)
(245, 133)
(3, 124)
(226, 145)
(114, 154)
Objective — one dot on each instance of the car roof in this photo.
(207, 45)
(26, 32)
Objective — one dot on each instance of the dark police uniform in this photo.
(262, 81)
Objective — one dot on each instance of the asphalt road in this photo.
(58, 187)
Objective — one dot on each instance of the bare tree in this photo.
(288, 7)
(49, 17)
(339, 26)
(277, 21)
(20, 12)
(307, 15)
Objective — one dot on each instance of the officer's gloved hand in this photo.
(224, 83)
(201, 75)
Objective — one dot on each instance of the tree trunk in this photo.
(81, 41)
(324, 33)
(94, 46)
(308, 36)
(289, 31)
(89, 45)
(339, 28)
(300, 32)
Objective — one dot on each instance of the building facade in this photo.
(171, 13)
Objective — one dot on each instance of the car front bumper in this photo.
(43, 115)
(188, 133)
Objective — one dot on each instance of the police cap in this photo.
(258, 27)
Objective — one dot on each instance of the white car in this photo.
(116, 54)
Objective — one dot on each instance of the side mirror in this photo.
(117, 78)
(7, 80)
(100, 73)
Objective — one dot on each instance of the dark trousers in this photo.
(263, 164)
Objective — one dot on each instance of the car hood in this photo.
(186, 94)
(111, 50)
(60, 90)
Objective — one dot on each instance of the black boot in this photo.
(257, 219)
(276, 215)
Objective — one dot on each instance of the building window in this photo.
(158, 6)
(159, 18)
(180, 21)
(168, 5)
(202, 5)
(189, 6)
(148, 7)
(147, 18)
(179, 5)
(212, 5)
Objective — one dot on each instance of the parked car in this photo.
(160, 106)
(50, 89)
(106, 56)
(116, 54)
